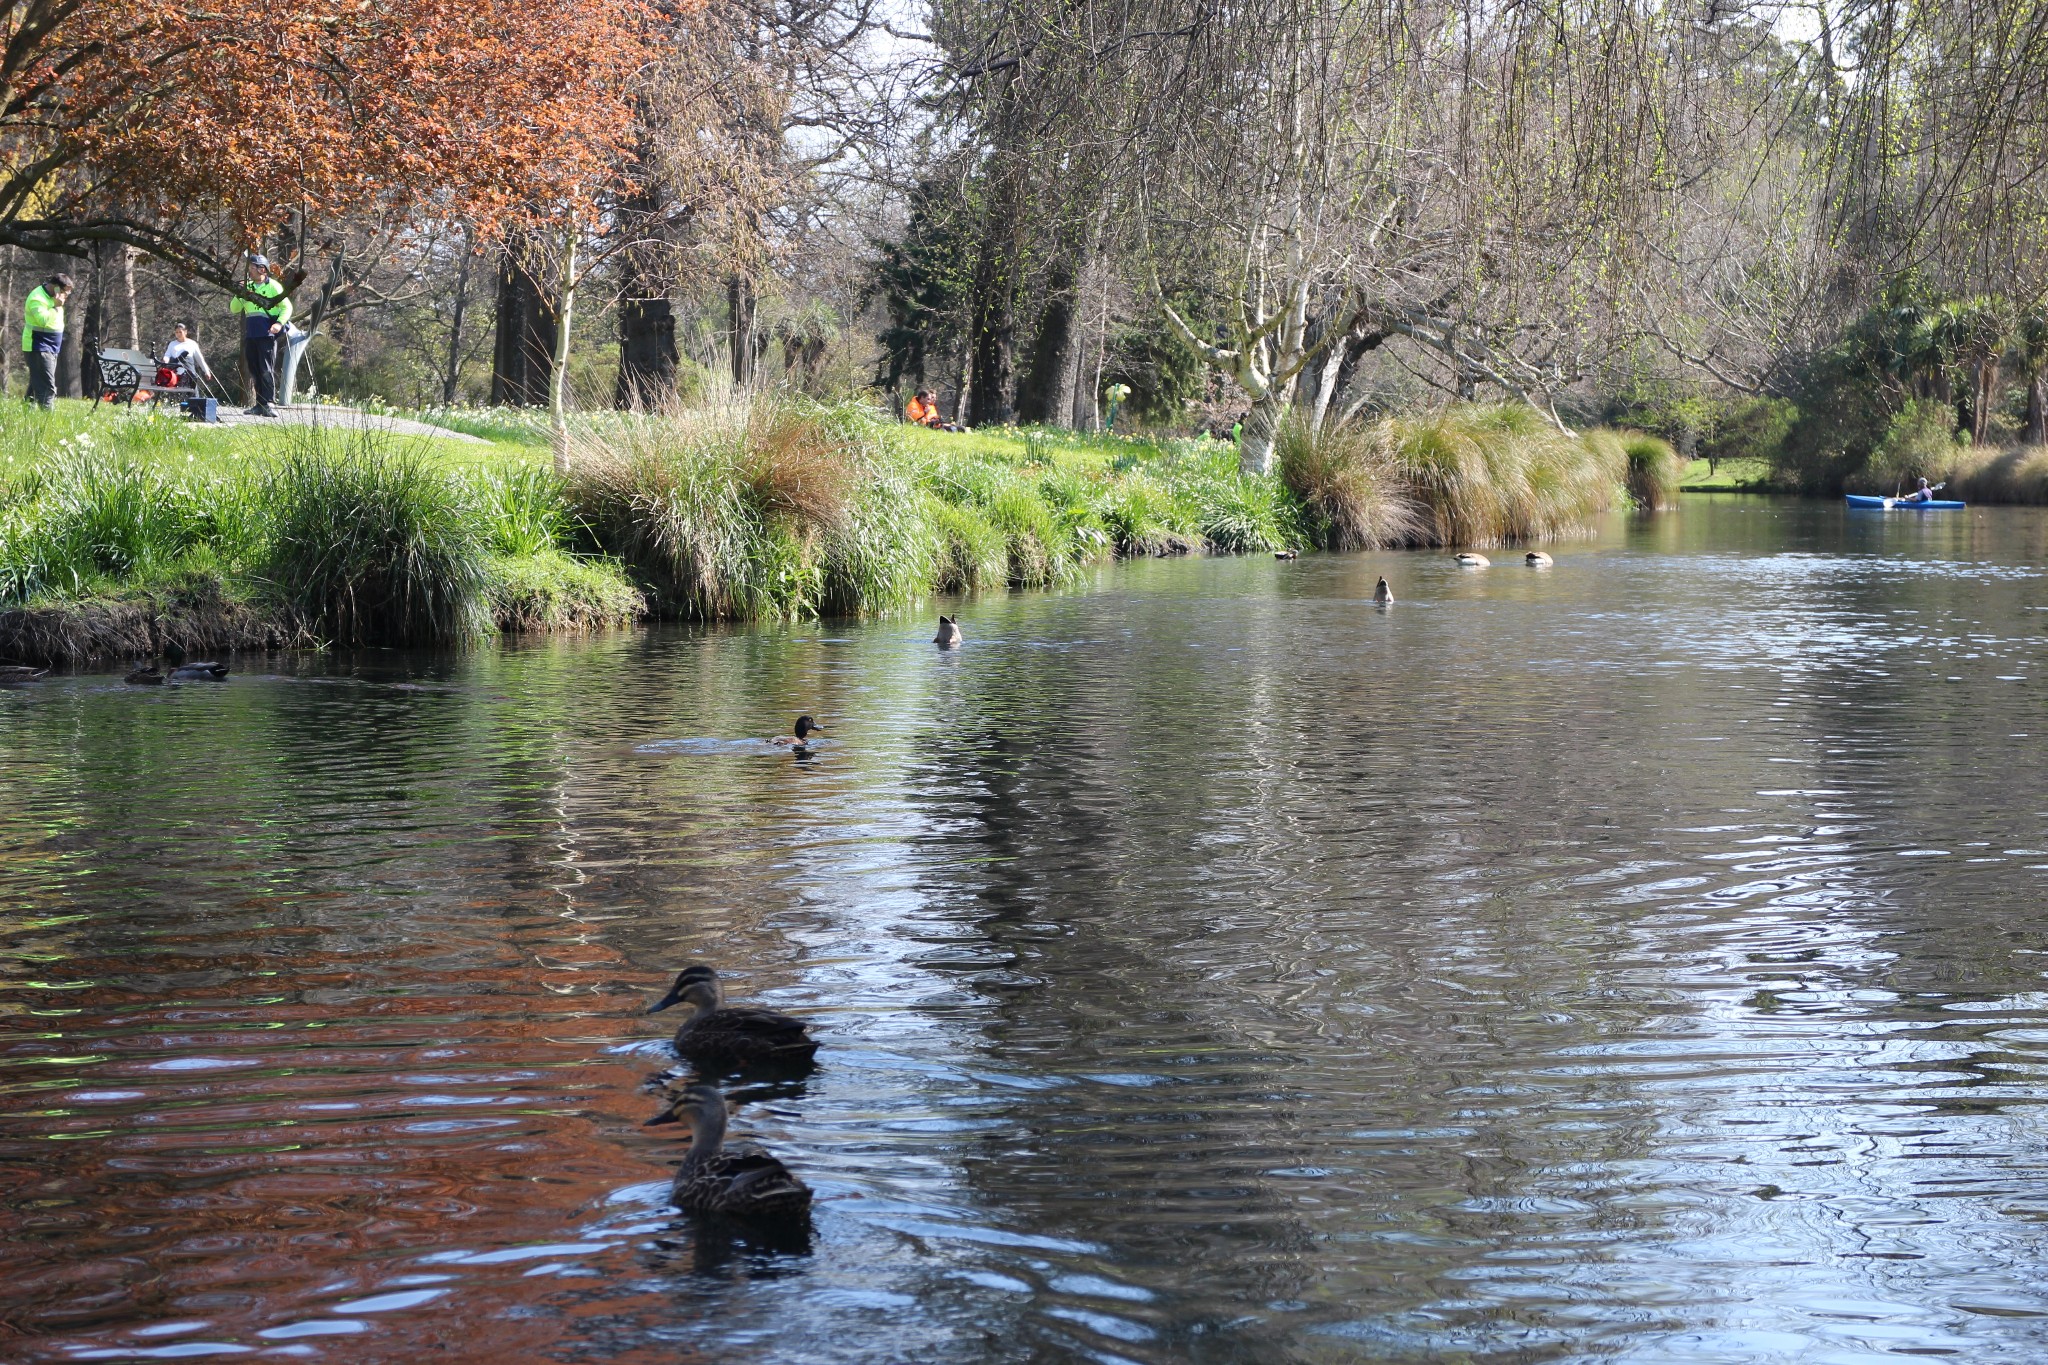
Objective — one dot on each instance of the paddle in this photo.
(1889, 503)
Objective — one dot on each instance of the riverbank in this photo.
(121, 534)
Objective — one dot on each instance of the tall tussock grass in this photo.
(1353, 492)
(370, 547)
(1654, 469)
(372, 542)
(1470, 474)
(1983, 474)
(787, 508)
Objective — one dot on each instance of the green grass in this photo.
(784, 508)
(776, 508)
(1731, 476)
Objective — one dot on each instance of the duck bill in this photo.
(658, 1006)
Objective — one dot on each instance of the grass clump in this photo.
(1654, 469)
(1982, 474)
(370, 547)
(1499, 474)
(1353, 494)
(557, 592)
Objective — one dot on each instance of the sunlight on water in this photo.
(1640, 960)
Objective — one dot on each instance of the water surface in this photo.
(1639, 960)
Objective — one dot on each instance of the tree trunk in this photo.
(1255, 446)
(741, 306)
(647, 354)
(451, 377)
(94, 337)
(1988, 375)
(128, 313)
(990, 341)
(558, 367)
(522, 359)
(1046, 393)
(10, 290)
(2037, 409)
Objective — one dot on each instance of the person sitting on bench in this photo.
(184, 359)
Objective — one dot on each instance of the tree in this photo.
(153, 126)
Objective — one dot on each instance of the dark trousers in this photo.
(260, 353)
(42, 378)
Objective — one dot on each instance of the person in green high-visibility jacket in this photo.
(262, 324)
(42, 336)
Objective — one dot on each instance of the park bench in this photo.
(124, 374)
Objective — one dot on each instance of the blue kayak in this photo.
(1901, 504)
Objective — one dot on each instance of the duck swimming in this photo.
(740, 1181)
(20, 673)
(1536, 559)
(1383, 594)
(715, 1033)
(805, 728)
(145, 675)
(1468, 560)
(949, 632)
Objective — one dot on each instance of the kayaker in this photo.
(1921, 494)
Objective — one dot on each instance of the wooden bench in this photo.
(124, 374)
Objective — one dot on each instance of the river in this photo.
(1639, 960)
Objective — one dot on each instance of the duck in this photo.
(1383, 594)
(20, 673)
(805, 728)
(741, 1181)
(1287, 554)
(1468, 560)
(949, 632)
(715, 1033)
(1536, 559)
(145, 675)
(174, 654)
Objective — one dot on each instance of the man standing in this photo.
(262, 323)
(42, 336)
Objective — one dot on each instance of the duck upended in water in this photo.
(716, 1033)
(949, 632)
(1383, 594)
(740, 1181)
(1536, 559)
(805, 728)
(1468, 560)
(192, 670)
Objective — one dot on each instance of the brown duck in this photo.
(740, 1181)
(717, 1033)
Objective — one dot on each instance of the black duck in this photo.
(716, 1033)
(740, 1181)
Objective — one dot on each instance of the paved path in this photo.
(326, 415)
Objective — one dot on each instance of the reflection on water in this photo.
(1640, 960)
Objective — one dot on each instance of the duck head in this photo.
(696, 985)
(805, 728)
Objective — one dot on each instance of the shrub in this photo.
(1920, 443)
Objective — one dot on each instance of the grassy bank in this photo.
(117, 535)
